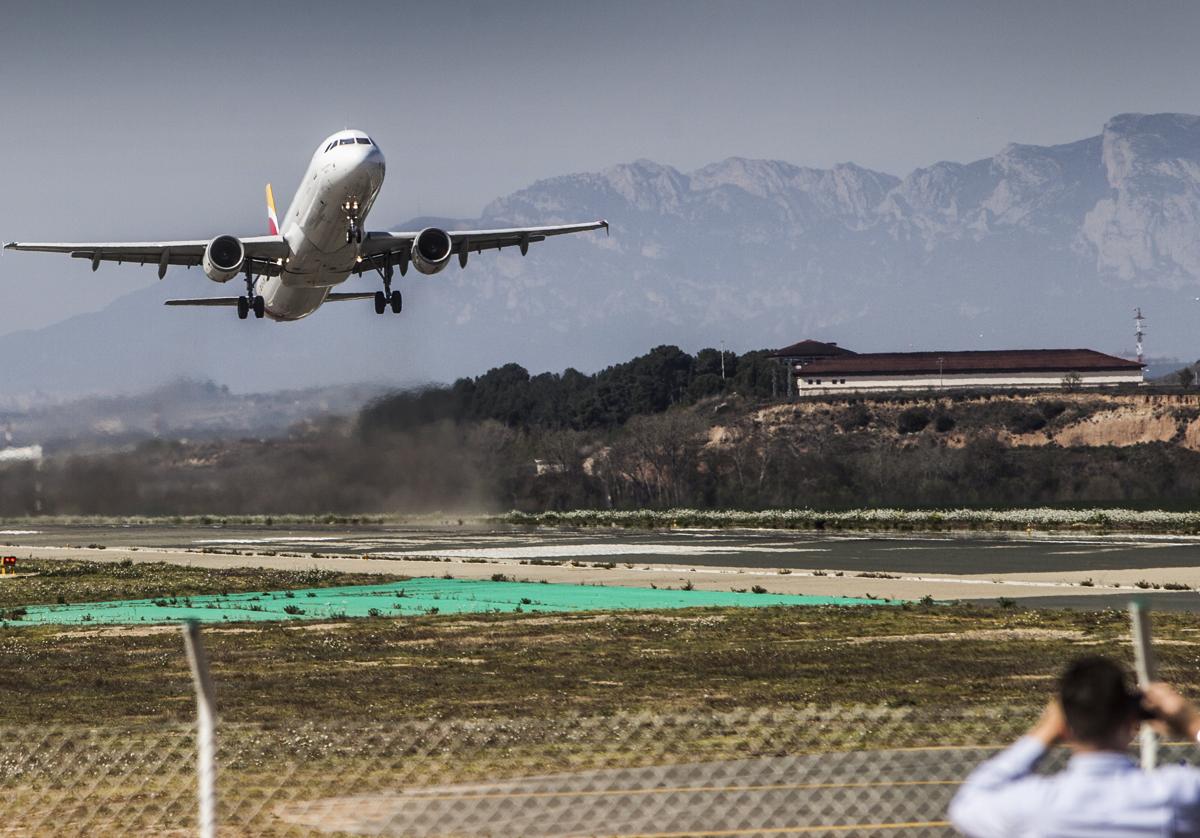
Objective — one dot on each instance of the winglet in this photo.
(604, 224)
(272, 221)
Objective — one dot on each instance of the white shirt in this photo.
(1098, 794)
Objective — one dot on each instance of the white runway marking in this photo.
(274, 540)
(558, 551)
(20, 532)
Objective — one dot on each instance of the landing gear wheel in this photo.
(397, 302)
(381, 302)
(243, 308)
(260, 307)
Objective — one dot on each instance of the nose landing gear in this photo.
(353, 231)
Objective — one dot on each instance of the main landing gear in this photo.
(353, 231)
(251, 301)
(387, 297)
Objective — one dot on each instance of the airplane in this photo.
(320, 244)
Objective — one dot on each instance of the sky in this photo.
(130, 120)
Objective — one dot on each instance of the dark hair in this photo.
(1096, 698)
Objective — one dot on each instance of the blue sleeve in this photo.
(1184, 783)
(990, 803)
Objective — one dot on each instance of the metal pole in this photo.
(1144, 665)
(205, 721)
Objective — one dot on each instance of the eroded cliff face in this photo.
(1065, 420)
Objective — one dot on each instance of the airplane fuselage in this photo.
(347, 169)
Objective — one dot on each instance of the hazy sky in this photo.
(141, 120)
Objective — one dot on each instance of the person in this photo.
(1102, 792)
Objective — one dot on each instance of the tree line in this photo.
(663, 378)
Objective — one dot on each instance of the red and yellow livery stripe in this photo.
(272, 220)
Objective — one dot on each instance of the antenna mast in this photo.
(1140, 331)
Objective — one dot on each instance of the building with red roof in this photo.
(818, 370)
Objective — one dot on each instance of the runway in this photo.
(1056, 570)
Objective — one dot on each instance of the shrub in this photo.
(500, 577)
(373, 612)
(1052, 410)
(1024, 420)
(943, 422)
(913, 421)
(854, 417)
(293, 609)
(758, 589)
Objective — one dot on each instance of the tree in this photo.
(1071, 382)
(1186, 377)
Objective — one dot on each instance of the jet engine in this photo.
(223, 258)
(431, 250)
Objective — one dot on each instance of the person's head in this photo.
(1100, 706)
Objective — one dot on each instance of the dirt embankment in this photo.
(1068, 420)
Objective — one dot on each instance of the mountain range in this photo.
(1037, 246)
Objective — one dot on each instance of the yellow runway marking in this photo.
(677, 789)
(780, 830)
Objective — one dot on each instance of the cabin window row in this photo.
(821, 381)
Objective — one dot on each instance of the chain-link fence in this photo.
(802, 771)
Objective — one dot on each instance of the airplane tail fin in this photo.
(272, 220)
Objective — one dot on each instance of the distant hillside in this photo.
(184, 408)
(721, 451)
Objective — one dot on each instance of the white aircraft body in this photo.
(319, 245)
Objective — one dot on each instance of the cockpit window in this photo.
(347, 141)
(331, 145)
(363, 140)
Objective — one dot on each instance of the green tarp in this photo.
(413, 596)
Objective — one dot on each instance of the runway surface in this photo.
(1045, 570)
(950, 553)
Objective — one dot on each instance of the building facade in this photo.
(1000, 369)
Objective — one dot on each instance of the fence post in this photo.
(1143, 659)
(205, 721)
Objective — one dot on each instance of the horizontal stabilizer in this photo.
(204, 301)
(233, 301)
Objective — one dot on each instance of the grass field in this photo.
(472, 666)
(94, 721)
(64, 581)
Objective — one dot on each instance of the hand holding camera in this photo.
(1167, 710)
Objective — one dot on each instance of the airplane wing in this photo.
(262, 252)
(380, 250)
